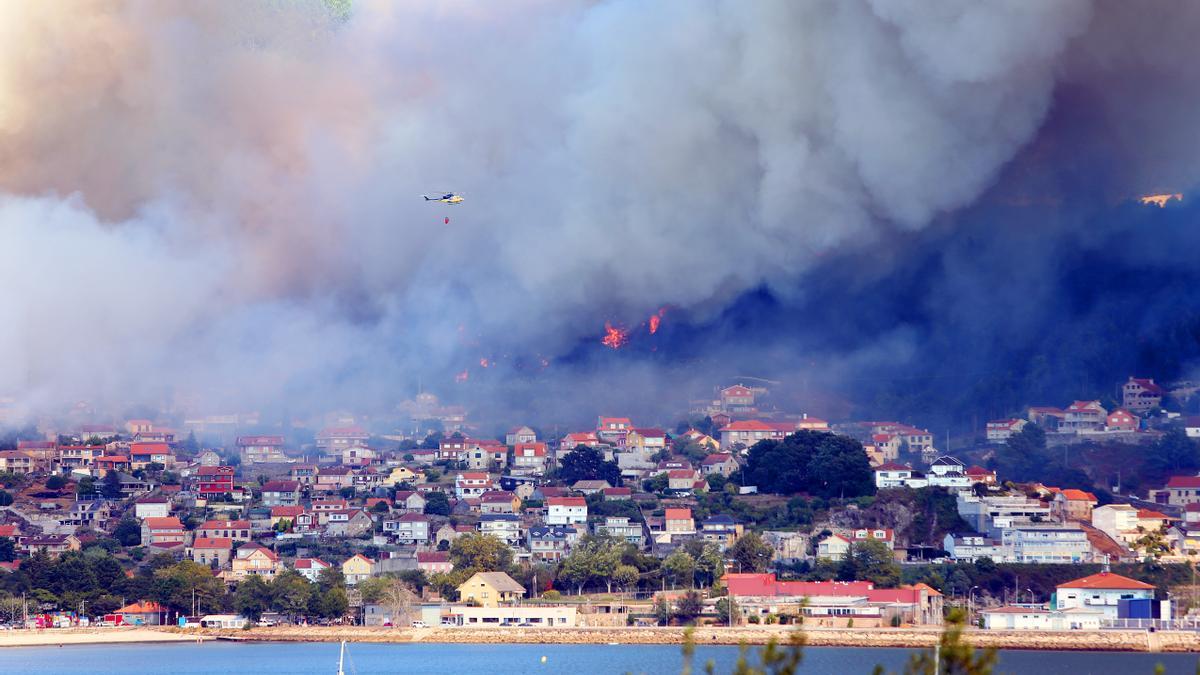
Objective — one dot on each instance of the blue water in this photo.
(217, 658)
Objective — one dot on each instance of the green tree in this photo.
(626, 576)
(751, 553)
(175, 583)
(592, 559)
(56, 482)
(6, 498)
(333, 603)
(954, 655)
(1173, 452)
(8, 549)
(728, 611)
(657, 484)
(128, 532)
(437, 504)
(662, 611)
(816, 462)
(290, 593)
(688, 606)
(480, 553)
(679, 567)
(870, 560)
(111, 485)
(252, 598)
(587, 463)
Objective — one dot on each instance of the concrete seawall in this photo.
(1115, 640)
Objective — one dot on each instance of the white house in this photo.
(1101, 592)
(999, 431)
(892, 475)
(1015, 617)
(566, 511)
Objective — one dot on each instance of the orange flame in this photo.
(462, 377)
(614, 338)
(656, 320)
(1161, 200)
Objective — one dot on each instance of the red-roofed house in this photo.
(1072, 504)
(142, 613)
(1046, 417)
(1121, 420)
(566, 511)
(471, 484)
(211, 482)
(529, 459)
(892, 475)
(999, 431)
(281, 493)
(736, 397)
(1179, 491)
(747, 433)
(254, 559)
(261, 449)
(310, 568)
(213, 551)
(679, 521)
(829, 603)
(434, 562)
(614, 430)
(234, 530)
(722, 463)
(143, 454)
(1101, 592)
(614, 494)
(167, 531)
(809, 423)
(646, 440)
(578, 438)
(1083, 416)
(1141, 395)
(978, 474)
(333, 440)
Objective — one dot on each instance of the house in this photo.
(999, 431)
(646, 441)
(261, 449)
(254, 559)
(887, 446)
(334, 479)
(746, 433)
(720, 463)
(410, 528)
(498, 501)
(322, 507)
(1101, 592)
(434, 562)
(138, 426)
(505, 527)
(1046, 417)
(71, 457)
(692, 436)
(737, 398)
(1119, 521)
(576, 439)
(213, 482)
(884, 535)
(409, 501)
(616, 494)
(304, 474)
(104, 464)
(1141, 395)
(142, 455)
(490, 589)
(357, 568)
(566, 511)
(970, 547)
(614, 430)
(520, 436)
(94, 513)
(485, 455)
(348, 523)
(836, 603)
(1072, 504)
(208, 458)
(678, 522)
(590, 487)
(142, 613)
(721, 529)
(151, 506)
(892, 475)
(357, 455)
(1024, 617)
(50, 544)
(285, 513)
(212, 551)
(281, 493)
(620, 527)
(1121, 420)
(1084, 416)
(529, 458)
(682, 480)
(1179, 491)
(471, 484)
(551, 542)
(162, 531)
(310, 568)
(333, 440)
(402, 474)
(1047, 543)
(834, 547)
(234, 530)
(452, 449)
(978, 474)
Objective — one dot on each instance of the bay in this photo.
(221, 658)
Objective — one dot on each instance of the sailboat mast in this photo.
(341, 657)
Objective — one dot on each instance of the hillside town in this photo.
(743, 514)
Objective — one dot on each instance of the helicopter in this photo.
(448, 198)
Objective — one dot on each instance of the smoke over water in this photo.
(221, 201)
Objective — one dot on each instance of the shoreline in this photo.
(903, 638)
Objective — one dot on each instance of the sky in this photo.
(220, 203)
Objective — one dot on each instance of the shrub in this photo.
(551, 595)
(754, 619)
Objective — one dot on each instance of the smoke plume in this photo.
(221, 203)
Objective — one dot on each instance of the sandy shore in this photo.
(53, 637)
(1115, 640)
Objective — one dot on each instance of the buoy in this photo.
(543, 659)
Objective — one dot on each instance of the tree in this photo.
(333, 603)
(751, 553)
(6, 498)
(56, 482)
(252, 598)
(679, 566)
(816, 462)
(954, 655)
(591, 559)
(626, 576)
(480, 553)
(657, 484)
(8, 550)
(398, 599)
(688, 606)
(111, 485)
(727, 610)
(870, 560)
(662, 611)
(174, 585)
(290, 593)
(1173, 452)
(587, 463)
(437, 504)
(128, 532)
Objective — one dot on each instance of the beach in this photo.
(51, 637)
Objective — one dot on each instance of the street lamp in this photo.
(971, 603)
(1030, 591)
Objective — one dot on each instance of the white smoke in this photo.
(224, 196)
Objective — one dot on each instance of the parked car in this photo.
(420, 624)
